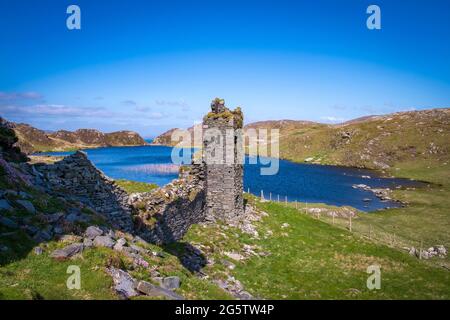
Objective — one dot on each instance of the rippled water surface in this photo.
(302, 182)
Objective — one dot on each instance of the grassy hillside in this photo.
(295, 256)
(34, 140)
(379, 142)
(392, 142)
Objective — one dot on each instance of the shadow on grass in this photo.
(189, 256)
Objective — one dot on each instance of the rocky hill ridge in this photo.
(32, 140)
(375, 142)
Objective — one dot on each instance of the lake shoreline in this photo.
(298, 182)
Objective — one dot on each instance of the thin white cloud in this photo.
(333, 119)
(129, 102)
(65, 112)
(12, 96)
(143, 109)
(173, 103)
(55, 110)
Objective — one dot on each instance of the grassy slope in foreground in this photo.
(309, 259)
(312, 259)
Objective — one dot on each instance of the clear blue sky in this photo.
(152, 65)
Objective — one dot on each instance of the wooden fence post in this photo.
(350, 222)
(420, 251)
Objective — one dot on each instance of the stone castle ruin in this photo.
(205, 192)
(222, 157)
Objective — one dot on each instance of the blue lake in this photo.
(302, 182)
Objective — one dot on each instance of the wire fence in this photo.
(363, 230)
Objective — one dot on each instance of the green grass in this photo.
(135, 187)
(40, 277)
(312, 259)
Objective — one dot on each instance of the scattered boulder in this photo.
(104, 241)
(171, 283)
(38, 251)
(67, 252)
(154, 291)
(228, 264)
(235, 288)
(92, 232)
(435, 251)
(88, 243)
(138, 249)
(124, 284)
(120, 244)
(235, 256)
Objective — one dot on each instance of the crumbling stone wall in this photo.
(76, 178)
(222, 156)
(164, 215)
(204, 192)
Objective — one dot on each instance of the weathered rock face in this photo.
(222, 154)
(75, 177)
(8, 139)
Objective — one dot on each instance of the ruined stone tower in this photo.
(222, 155)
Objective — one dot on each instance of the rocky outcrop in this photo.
(8, 139)
(165, 139)
(76, 178)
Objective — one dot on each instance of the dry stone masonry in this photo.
(208, 191)
(76, 178)
(222, 155)
(164, 215)
(205, 192)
